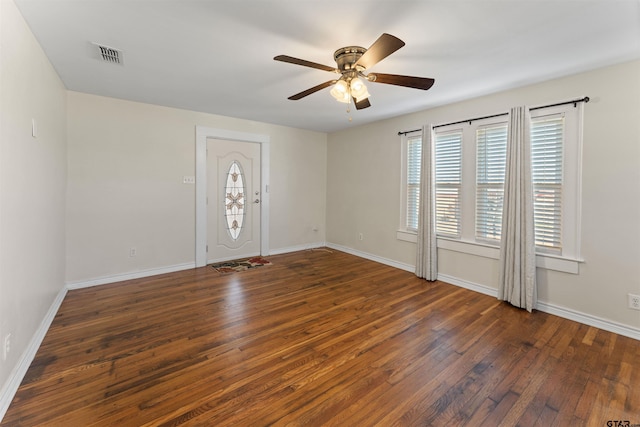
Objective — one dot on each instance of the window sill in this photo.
(546, 261)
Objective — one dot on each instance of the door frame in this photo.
(202, 134)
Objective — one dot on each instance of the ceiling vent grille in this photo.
(108, 54)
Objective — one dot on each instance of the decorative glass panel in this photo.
(234, 200)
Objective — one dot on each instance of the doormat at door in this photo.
(240, 265)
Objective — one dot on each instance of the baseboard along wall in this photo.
(10, 388)
(546, 307)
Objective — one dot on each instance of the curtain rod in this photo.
(574, 102)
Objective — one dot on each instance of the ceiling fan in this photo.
(352, 62)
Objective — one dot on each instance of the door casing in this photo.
(202, 134)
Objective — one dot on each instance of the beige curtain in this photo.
(517, 247)
(427, 251)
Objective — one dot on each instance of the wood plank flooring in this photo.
(319, 338)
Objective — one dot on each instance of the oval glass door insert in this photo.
(234, 200)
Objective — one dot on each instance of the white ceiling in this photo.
(216, 56)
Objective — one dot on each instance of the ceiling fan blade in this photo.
(380, 49)
(423, 83)
(311, 90)
(297, 61)
(360, 105)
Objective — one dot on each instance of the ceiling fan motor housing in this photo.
(346, 57)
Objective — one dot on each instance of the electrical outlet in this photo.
(6, 346)
(188, 179)
(133, 252)
(634, 302)
(360, 236)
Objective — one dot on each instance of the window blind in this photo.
(414, 156)
(448, 159)
(491, 154)
(547, 154)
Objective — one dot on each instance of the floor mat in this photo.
(240, 265)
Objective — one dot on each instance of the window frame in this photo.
(469, 172)
(404, 184)
(478, 236)
(571, 177)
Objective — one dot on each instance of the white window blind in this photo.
(448, 159)
(547, 159)
(491, 154)
(414, 156)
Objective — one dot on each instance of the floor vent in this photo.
(108, 54)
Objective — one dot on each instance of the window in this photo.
(448, 176)
(448, 158)
(491, 156)
(470, 164)
(546, 158)
(414, 156)
(546, 153)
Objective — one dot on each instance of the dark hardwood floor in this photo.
(319, 338)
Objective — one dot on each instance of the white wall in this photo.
(32, 187)
(126, 164)
(363, 191)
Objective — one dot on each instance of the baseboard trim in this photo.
(10, 388)
(588, 319)
(296, 248)
(546, 307)
(366, 255)
(129, 276)
(556, 310)
(476, 287)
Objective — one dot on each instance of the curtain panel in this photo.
(517, 246)
(427, 250)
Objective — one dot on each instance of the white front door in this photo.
(233, 194)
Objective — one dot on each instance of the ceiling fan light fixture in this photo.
(344, 97)
(358, 89)
(340, 92)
